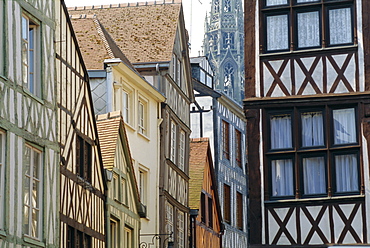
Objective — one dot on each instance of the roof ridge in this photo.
(102, 36)
(123, 5)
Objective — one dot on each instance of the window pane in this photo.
(282, 177)
(346, 173)
(276, 2)
(306, 1)
(344, 126)
(281, 132)
(277, 32)
(312, 129)
(314, 176)
(340, 26)
(308, 29)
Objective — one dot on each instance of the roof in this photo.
(145, 32)
(197, 164)
(95, 43)
(108, 131)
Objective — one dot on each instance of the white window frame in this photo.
(128, 237)
(143, 184)
(31, 60)
(169, 220)
(182, 150)
(125, 105)
(180, 229)
(37, 205)
(142, 117)
(114, 233)
(173, 142)
(2, 177)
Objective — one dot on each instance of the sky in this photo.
(194, 12)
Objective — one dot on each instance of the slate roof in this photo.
(145, 32)
(197, 163)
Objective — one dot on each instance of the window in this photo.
(30, 55)
(143, 185)
(143, 125)
(32, 192)
(314, 23)
(114, 233)
(228, 40)
(323, 150)
(116, 188)
(77, 239)
(176, 69)
(239, 210)
(182, 150)
(180, 229)
(227, 204)
(83, 158)
(169, 220)
(225, 140)
(229, 78)
(125, 106)
(238, 148)
(173, 142)
(227, 5)
(2, 177)
(203, 207)
(128, 237)
(210, 212)
(2, 35)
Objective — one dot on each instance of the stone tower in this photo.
(224, 46)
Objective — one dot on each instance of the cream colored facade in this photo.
(128, 92)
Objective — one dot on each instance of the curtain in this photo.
(276, 2)
(277, 32)
(340, 26)
(308, 29)
(314, 176)
(344, 126)
(281, 132)
(306, 1)
(312, 129)
(346, 173)
(282, 177)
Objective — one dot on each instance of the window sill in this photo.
(315, 199)
(144, 136)
(3, 77)
(2, 233)
(308, 51)
(32, 241)
(33, 96)
(130, 126)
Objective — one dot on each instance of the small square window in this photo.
(308, 25)
(281, 131)
(346, 173)
(340, 26)
(312, 129)
(282, 177)
(314, 175)
(277, 30)
(344, 121)
(276, 2)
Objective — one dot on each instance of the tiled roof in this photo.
(95, 43)
(145, 32)
(108, 131)
(197, 163)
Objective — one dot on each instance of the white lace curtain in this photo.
(282, 177)
(308, 29)
(314, 176)
(340, 26)
(277, 32)
(276, 2)
(346, 173)
(312, 129)
(281, 132)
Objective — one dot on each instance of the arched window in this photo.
(228, 40)
(227, 5)
(228, 78)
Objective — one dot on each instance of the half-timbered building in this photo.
(29, 150)
(155, 42)
(124, 208)
(117, 86)
(82, 180)
(217, 116)
(206, 227)
(307, 107)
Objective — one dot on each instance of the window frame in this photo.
(227, 203)
(180, 229)
(225, 139)
(173, 140)
(298, 152)
(31, 176)
(84, 153)
(292, 8)
(182, 147)
(142, 116)
(34, 87)
(238, 148)
(239, 211)
(3, 147)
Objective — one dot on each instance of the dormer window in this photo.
(307, 24)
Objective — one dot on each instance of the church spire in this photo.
(223, 45)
